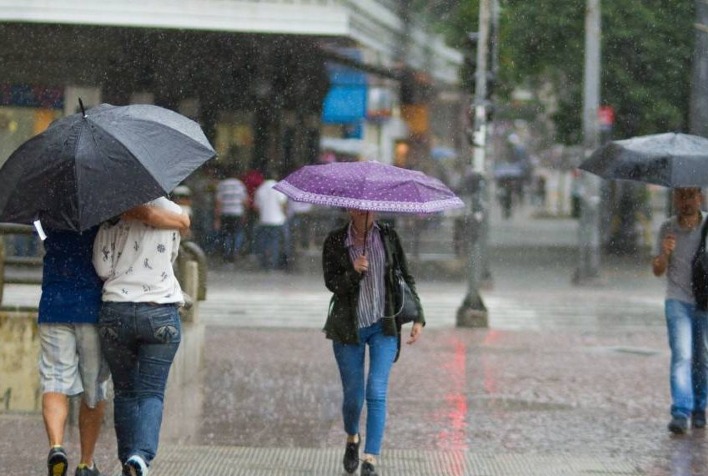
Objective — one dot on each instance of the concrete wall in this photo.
(19, 354)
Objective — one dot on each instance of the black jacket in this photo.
(341, 278)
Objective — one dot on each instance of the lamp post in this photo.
(473, 312)
(588, 269)
(698, 119)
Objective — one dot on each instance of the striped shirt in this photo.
(372, 292)
(231, 194)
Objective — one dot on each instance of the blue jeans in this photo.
(350, 359)
(232, 236)
(139, 341)
(688, 340)
(271, 237)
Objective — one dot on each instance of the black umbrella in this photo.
(89, 167)
(672, 160)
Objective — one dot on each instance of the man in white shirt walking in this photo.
(270, 204)
(231, 197)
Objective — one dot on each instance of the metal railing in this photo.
(9, 262)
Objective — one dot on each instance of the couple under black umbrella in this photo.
(109, 294)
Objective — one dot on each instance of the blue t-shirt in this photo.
(71, 289)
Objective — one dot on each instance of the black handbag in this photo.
(699, 272)
(404, 301)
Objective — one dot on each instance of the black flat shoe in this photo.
(367, 469)
(678, 425)
(351, 457)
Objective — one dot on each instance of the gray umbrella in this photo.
(89, 167)
(672, 160)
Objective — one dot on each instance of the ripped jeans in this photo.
(139, 342)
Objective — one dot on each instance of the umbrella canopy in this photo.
(442, 153)
(672, 160)
(368, 186)
(89, 167)
(507, 170)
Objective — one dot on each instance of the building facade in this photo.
(260, 76)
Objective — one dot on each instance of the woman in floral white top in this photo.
(140, 329)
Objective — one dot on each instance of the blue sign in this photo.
(31, 96)
(346, 99)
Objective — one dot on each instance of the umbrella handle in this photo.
(366, 230)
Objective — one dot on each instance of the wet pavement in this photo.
(566, 380)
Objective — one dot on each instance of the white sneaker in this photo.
(135, 466)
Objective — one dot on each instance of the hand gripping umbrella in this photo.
(672, 160)
(91, 166)
(370, 186)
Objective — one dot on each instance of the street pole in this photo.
(698, 120)
(589, 227)
(473, 312)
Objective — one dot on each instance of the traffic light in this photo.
(416, 87)
(491, 83)
(408, 87)
(469, 65)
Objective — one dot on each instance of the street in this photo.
(566, 380)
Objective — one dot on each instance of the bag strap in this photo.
(395, 268)
(704, 232)
(387, 246)
(331, 305)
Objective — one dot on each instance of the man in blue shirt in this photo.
(71, 362)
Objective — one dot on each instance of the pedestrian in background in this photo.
(297, 229)
(203, 185)
(270, 204)
(70, 360)
(678, 240)
(252, 179)
(139, 327)
(357, 271)
(231, 198)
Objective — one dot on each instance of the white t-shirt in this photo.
(135, 260)
(270, 203)
(298, 208)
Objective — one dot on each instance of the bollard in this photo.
(190, 286)
(189, 250)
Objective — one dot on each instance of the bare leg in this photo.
(55, 411)
(90, 420)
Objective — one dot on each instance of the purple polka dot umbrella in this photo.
(371, 186)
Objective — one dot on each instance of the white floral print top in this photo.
(135, 260)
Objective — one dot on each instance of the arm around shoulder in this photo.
(158, 217)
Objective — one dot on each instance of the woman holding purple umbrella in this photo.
(358, 262)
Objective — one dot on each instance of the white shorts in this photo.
(71, 362)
